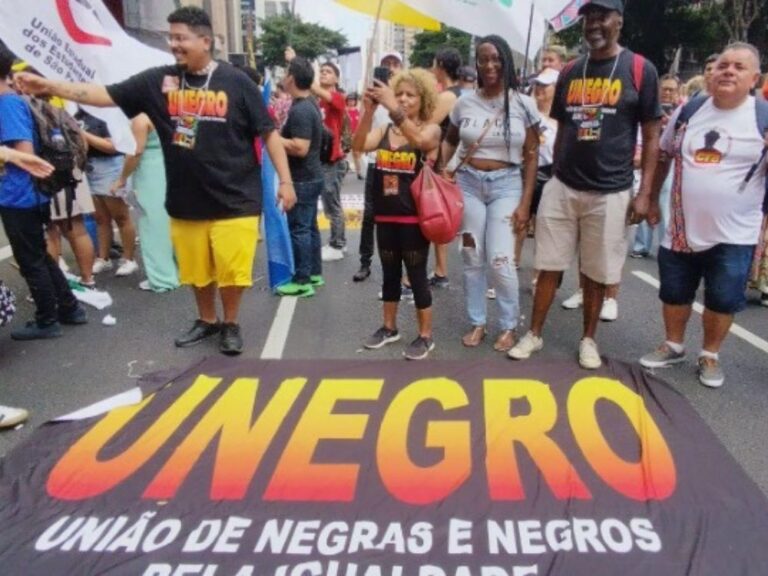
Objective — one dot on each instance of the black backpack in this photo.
(60, 142)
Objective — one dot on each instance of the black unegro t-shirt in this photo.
(305, 122)
(394, 172)
(218, 178)
(599, 120)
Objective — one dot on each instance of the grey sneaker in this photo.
(437, 281)
(662, 357)
(381, 338)
(419, 348)
(710, 373)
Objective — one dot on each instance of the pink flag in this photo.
(568, 16)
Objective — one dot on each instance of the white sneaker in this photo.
(145, 285)
(589, 355)
(100, 265)
(527, 345)
(63, 266)
(126, 267)
(575, 301)
(331, 254)
(610, 310)
(490, 294)
(10, 416)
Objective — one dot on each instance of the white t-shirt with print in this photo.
(547, 136)
(719, 148)
(472, 113)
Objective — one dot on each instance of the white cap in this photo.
(547, 77)
(392, 54)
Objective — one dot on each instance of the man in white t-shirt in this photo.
(717, 211)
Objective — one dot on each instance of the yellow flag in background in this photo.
(393, 11)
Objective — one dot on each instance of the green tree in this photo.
(308, 39)
(427, 43)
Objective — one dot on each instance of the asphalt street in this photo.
(92, 362)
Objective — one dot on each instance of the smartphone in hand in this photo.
(382, 74)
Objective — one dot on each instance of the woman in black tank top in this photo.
(401, 146)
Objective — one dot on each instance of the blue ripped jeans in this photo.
(488, 242)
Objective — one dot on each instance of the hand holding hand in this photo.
(638, 209)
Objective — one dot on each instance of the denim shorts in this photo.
(102, 172)
(724, 268)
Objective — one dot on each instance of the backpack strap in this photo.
(689, 109)
(638, 71)
(761, 110)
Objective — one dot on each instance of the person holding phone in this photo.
(393, 62)
(401, 146)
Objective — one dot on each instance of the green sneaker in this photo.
(317, 281)
(298, 290)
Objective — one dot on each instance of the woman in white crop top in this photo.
(497, 129)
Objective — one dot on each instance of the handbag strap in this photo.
(474, 148)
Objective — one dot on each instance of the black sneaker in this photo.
(231, 342)
(33, 331)
(381, 338)
(362, 274)
(73, 317)
(200, 331)
(639, 254)
(419, 348)
(437, 281)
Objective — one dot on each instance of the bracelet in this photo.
(397, 117)
(286, 183)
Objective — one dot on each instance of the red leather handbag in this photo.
(440, 205)
(439, 201)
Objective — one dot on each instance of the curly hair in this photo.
(426, 86)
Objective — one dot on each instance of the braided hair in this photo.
(509, 77)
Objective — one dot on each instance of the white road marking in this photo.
(736, 330)
(5, 253)
(278, 333)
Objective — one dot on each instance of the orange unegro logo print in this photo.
(207, 103)
(394, 161)
(302, 472)
(594, 92)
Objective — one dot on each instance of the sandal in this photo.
(505, 341)
(473, 338)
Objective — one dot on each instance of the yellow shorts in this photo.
(220, 251)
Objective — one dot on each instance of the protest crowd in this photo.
(587, 159)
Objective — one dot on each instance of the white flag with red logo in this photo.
(78, 41)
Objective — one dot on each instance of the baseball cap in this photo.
(468, 73)
(616, 5)
(546, 77)
(393, 54)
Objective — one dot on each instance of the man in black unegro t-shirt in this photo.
(302, 137)
(601, 101)
(207, 115)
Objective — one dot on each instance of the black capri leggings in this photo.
(403, 244)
